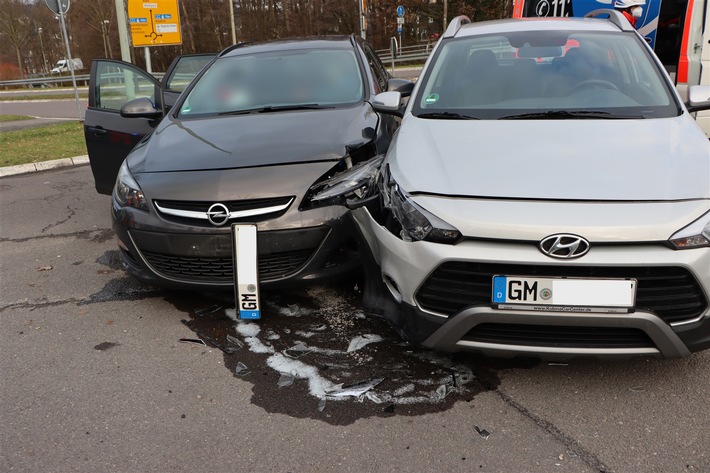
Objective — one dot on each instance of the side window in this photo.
(378, 70)
(184, 71)
(117, 84)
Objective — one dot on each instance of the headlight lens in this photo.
(417, 223)
(358, 181)
(695, 235)
(127, 190)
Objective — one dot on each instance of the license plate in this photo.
(246, 271)
(564, 294)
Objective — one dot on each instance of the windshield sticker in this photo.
(431, 98)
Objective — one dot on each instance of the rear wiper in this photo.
(447, 116)
(569, 114)
(276, 108)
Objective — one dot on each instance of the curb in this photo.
(43, 166)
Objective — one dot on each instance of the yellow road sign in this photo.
(154, 23)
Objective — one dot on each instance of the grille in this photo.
(559, 336)
(220, 269)
(671, 293)
(233, 206)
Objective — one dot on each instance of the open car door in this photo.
(112, 83)
(109, 136)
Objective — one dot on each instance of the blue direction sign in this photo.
(400, 11)
(399, 29)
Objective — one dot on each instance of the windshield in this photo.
(284, 80)
(544, 74)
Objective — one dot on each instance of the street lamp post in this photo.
(104, 36)
(41, 46)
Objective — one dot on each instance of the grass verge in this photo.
(25, 98)
(14, 118)
(63, 140)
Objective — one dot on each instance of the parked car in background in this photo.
(547, 194)
(265, 133)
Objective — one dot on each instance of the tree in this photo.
(15, 26)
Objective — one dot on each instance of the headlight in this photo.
(418, 224)
(695, 235)
(358, 182)
(127, 190)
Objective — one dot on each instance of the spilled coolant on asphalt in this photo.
(314, 354)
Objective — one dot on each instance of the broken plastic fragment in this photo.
(294, 310)
(207, 310)
(297, 351)
(482, 432)
(319, 327)
(286, 379)
(363, 340)
(442, 391)
(321, 404)
(45, 268)
(233, 344)
(377, 398)
(241, 369)
(194, 341)
(354, 390)
(637, 389)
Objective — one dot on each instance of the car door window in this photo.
(378, 70)
(117, 84)
(184, 71)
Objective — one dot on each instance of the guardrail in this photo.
(416, 54)
(54, 81)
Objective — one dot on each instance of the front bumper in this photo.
(405, 267)
(179, 256)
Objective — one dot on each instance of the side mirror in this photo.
(698, 98)
(140, 108)
(403, 86)
(388, 103)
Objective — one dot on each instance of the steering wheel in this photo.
(593, 83)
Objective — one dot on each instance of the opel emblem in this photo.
(218, 214)
(564, 246)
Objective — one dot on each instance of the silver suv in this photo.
(547, 194)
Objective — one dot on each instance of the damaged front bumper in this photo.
(400, 270)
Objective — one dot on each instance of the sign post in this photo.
(400, 24)
(61, 7)
(154, 23)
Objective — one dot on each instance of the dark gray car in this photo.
(275, 134)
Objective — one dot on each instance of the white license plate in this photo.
(246, 271)
(564, 294)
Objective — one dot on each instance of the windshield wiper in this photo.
(447, 116)
(276, 108)
(569, 114)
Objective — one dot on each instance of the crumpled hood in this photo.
(599, 160)
(241, 141)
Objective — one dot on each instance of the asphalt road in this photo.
(93, 376)
(43, 108)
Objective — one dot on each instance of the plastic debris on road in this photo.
(234, 343)
(208, 310)
(194, 341)
(482, 432)
(286, 379)
(241, 369)
(363, 340)
(298, 350)
(354, 390)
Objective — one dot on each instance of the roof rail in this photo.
(614, 16)
(455, 25)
